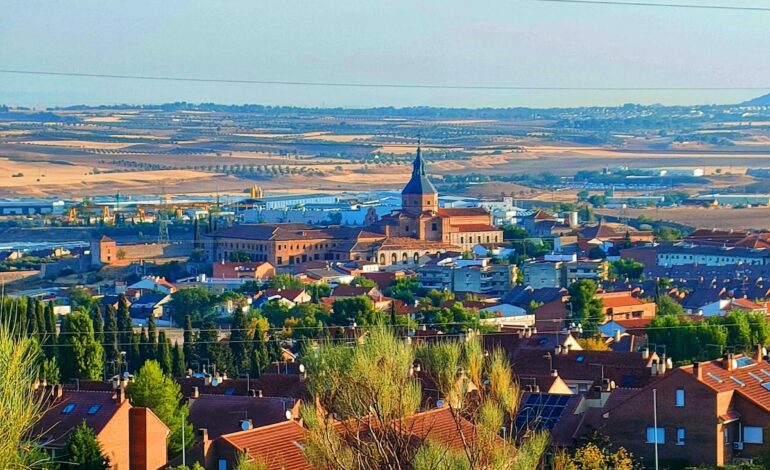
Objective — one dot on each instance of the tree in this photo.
(360, 281)
(21, 406)
(668, 306)
(49, 343)
(83, 450)
(188, 340)
(260, 359)
(152, 338)
(125, 327)
(179, 367)
(164, 354)
(586, 308)
(155, 390)
(597, 253)
(239, 344)
(404, 289)
(239, 257)
(592, 457)
(80, 298)
(594, 344)
(145, 352)
(194, 302)
(209, 347)
(98, 320)
(81, 356)
(134, 351)
(111, 335)
(356, 309)
(284, 281)
(371, 387)
(626, 268)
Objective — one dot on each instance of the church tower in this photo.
(419, 194)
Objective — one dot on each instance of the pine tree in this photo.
(188, 341)
(111, 335)
(164, 353)
(50, 349)
(98, 319)
(179, 367)
(83, 450)
(152, 337)
(260, 359)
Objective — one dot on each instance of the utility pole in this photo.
(655, 422)
(184, 457)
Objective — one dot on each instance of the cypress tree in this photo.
(124, 321)
(152, 337)
(134, 352)
(81, 356)
(164, 354)
(50, 348)
(179, 367)
(145, 351)
(239, 343)
(259, 355)
(83, 450)
(111, 335)
(27, 319)
(40, 321)
(188, 341)
(98, 324)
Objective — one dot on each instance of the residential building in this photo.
(624, 306)
(557, 270)
(678, 255)
(477, 276)
(245, 271)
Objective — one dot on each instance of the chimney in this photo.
(554, 373)
(697, 371)
(759, 354)
(645, 353)
(195, 393)
(120, 395)
(729, 361)
(203, 438)
(56, 391)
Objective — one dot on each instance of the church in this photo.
(418, 229)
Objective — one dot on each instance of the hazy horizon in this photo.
(524, 43)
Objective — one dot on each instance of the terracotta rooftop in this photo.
(95, 407)
(222, 414)
(278, 445)
(462, 211)
(476, 228)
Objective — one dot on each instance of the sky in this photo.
(426, 42)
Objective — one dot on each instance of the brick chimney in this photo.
(203, 438)
(120, 395)
(759, 354)
(195, 393)
(697, 371)
(729, 361)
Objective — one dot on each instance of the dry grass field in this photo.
(757, 218)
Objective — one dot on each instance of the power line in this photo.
(383, 85)
(664, 5)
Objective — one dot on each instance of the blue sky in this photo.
(488, 42)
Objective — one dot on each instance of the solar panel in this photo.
(541, 411)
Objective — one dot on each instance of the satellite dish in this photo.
(246, 424)
(126, 374)
(302, 368)
(214, 382)
(288, 415)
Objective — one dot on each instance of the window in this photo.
(94, 409)
(752, 435)
(434, 226)
(68, 409)
(680, 434)
(222, 464)
(679, 397)
(661, 435)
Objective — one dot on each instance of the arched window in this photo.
(416, 257)
(382, 259)
(404, 258)
(394, 258)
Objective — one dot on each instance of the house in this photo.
(624, 306)
(150, 284)
(561, 270)
(131, 437)
(226, 414)
(474, 276)
(710, 413)
(288, 297)
(506, 315)
(251, 271)
(150, 304)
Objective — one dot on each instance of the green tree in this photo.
(134, 352)
(98, 320)
(592, 457)
(355, 309)
(188, 342)
(125, 326)
(239, 257)
(179, 366)
(195, 302)
(404, 289)
(83, 451)
(372, 383)
(360, 281)
(668, 306)
(81, 356)
(164, 354)
(586, 308)
(152, 338)
(111, 335)
(209, 347)
(49, 344)
(21, 406)
(81, 298)
(284, 281)
(626, 268)
(239, 341)
(155, 390)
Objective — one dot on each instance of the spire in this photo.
(419, 183)
(418, 166)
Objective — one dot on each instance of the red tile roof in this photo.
(278, 445)
(55, 424)
(476, 228)
(461, 211)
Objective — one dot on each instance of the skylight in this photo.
(93, 409)
(738, 381)
(766, 385)
(68, 409)
(744, 362)
(580, 358)
(714, 377)
(755, 377)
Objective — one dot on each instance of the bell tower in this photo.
(419, 195)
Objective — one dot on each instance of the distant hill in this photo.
(763, 100)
